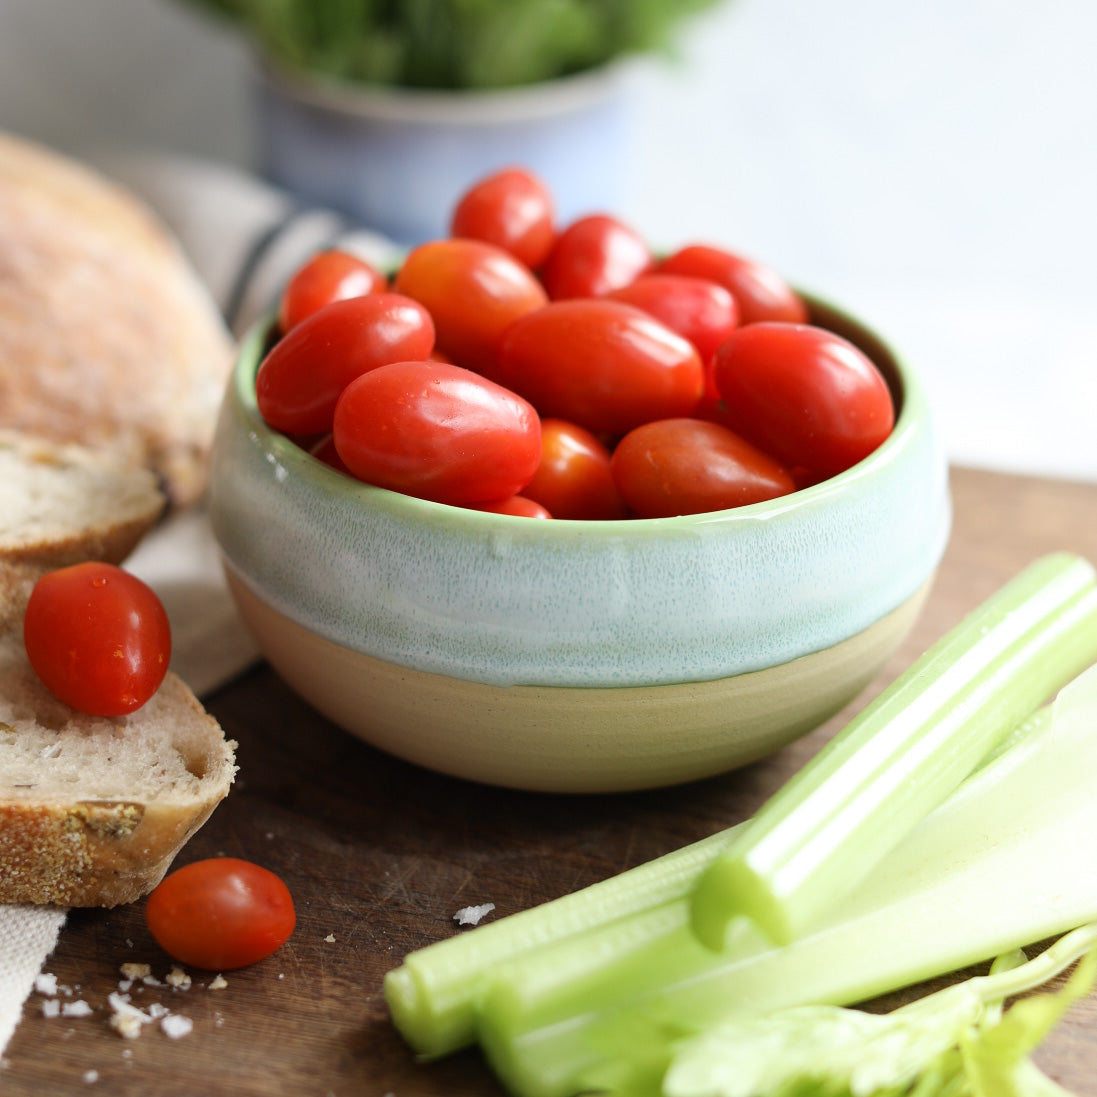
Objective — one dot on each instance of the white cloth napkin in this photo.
(244, 239)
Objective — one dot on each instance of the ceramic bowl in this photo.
(574, 656)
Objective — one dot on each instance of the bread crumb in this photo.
(177, 977)
(471, 916)
(330, 938)
(79, 1008)
(45, 983)
(51, 1007)
(218, 982)
(135, 971)
(176, 1025)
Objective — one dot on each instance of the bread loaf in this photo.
(107, 336)
(92, 809)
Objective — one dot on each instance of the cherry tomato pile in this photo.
(220, 914)
(97, 637)
(526, 368)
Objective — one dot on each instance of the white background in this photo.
(930, 164)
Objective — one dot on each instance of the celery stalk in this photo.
(991, 869)
(902, 755)
(431, 996)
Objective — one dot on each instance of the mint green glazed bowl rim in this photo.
(514, 601)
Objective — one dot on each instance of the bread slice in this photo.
(92, 810)
(62, 503)
(107, 335)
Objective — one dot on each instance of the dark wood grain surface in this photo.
(379, 855)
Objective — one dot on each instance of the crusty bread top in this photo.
(107, 337)
(61, 503)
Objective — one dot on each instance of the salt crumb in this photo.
(133, 971)
(79, 1008)
(218, 982)
(91, 1076)
(51, 1007)
(175, 1025)
(177, 977)
(45, 983)
(471, 916)
(127, 1053)
(330, 938)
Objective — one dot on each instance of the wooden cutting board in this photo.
(379, 855)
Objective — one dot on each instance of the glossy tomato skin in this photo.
(437, 431)
(593, 256)
(220, 914)
(303, 374)
(600, 364)
(512, 209)
(760, 292)
(473, 291)
(331, 275)
(806, 395)
(574, 479)
(690, 466)
(97, 637)
(700, 310)
(518, 506)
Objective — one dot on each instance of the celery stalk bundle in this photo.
(596, 990)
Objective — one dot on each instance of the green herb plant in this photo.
(454, 44)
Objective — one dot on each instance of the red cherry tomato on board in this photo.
(689, 466)
(701, 311)
(574, 479)
(474, 291)
(604, 365)
(593, 256)
(98, 638)
(437, 431)
(305, 371)
(220, 914)
(328, 276)
(760, 292)
(518, 506)
(806, 395)
(511, 209)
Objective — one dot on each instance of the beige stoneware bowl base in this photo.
(594, 740)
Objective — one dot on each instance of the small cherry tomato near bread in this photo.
(806, 395)
(97, 637)
(511, 209)
(303, 374)
(689, 466)
(220, 914)
(601, 364)
(574, 479)
(437, 431)
(473, 291)
(593, 256)
(760, 292)
(328, 276)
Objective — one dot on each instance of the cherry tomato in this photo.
(305, 371)
(689, 466)
(437, 431)
(220, 914)
(474, 291)
(323, 449)
(574, 479)
(593, 256)
(761, 293)
(806, 395)
(511, 209)
(329, 276)
(601, 364)
(517, 505)
(98, 638)
(701, 311)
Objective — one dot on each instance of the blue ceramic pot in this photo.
(396, 160)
